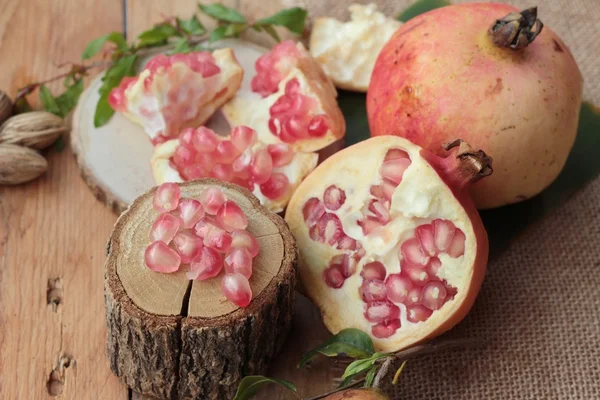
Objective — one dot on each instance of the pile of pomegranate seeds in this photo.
(209, 234)
(418, 287)
(272, 67)
(240, 159)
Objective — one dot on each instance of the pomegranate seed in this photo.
(164, 228)
(158, 62)
(226, 152)
(346, 263)
(397, 286)
(334, 197)
(193, 172)
(331, 228)
(411, 252)
(312, 211)
(425, 235)
(281, 154)
(211, 200)
(261, 166)
(292, 128)
(415, 273)
(223, 172)
(333, 276)
(444, 233)
(318, 126)
(373, 291)
(413, 296)
(385, 329)
(346, 243)
(417, 313)
(207, 264)
(166, 197)
(281, 106)
(292, 87)
(205, 140)
(457, 247)
(388, 187)
(190, 212)
(242, 239)
(434, 266)
(239, 260)
(231, 217)
(218, 239)
(316, 234)
(186, 138)
(243, 137)
(241, 165)
(394, 169)
(433, 295)
(373, 271)
(204, 225)
(379, 311)
(161, 258)
(237, 289)
(117, 99)
(276, 186)
(394, 154)
(381, 212)
(184, 156)
(188, 246)
(369, 224)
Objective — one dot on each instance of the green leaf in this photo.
(270, 30)
(419, 7)
(234, 30)
(123, 67)
(350, 342)
(68, 100)
(358, 366)
(191, 26)
(48, 101)
(250, 385)
(157, 36)
(222, 13)
(96, 45)
(181, 46)
(291, 18)
(370, 376)
(218, 33)
(398, 372)
(346, 381)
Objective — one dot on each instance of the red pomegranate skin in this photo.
(441, 77)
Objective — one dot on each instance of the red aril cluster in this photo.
(272, 67)
(239, 159)
(209, 234)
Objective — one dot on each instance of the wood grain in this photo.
(52, 231)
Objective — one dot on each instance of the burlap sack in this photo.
(539, 308)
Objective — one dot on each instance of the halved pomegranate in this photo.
(271, 171)
(178, 91)
(294, 102)
(389, 239)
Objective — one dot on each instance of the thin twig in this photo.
(383, 371)
(320, 396)
(430, 348)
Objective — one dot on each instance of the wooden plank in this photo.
(52, 231)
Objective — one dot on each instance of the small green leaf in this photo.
(118, 39)
(270, 30)
(350, 342)
(358, 366)
(234, 30)
(222, 13)
(370, 376)
(218, 33)
(158, 35)
(291, 18)
(346, 381)
(124, 66)
(420, 7)
(398, 372)
(96, 45)
(191, 26)
(250, 385)
(181, 46)
(48, 101)
(68, 100)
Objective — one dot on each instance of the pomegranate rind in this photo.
(421, 196)
(145, 106)
(300, 166)
(347, 50)
(251, 110)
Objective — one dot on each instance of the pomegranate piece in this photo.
(243, 239)
(207, 264)
(397, 287)
(166, 197)
(236, 288)
(161, 258)
(334, 198)
(385, 329)
(190, 212)
(239, 260)
(380, 311)
(273, 66)
(188, 246)
(164, 228)
(212, 199)
(231, 217)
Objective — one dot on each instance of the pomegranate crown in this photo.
(472, 164)
(516, 30)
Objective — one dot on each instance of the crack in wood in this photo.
(54, 293)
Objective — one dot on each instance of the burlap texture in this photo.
(539, 308)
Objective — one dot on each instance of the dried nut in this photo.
(36, 129)
(6, 107)
(19, 164)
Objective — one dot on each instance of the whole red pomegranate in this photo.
(481, 72)
(390, 241)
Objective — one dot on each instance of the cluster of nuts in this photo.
(20, 137)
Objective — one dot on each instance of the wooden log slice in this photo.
(170, 337)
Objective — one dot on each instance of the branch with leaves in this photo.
(173, 35)
(368, 369)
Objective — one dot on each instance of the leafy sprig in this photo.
(173, 35)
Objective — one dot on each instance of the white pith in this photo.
(138, 98)
(421, 197)
(347, 50)
(300, 166)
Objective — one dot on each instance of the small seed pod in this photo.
(6, 107)
(19, 164)
(35, 129)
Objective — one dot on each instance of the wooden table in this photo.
(53, 231)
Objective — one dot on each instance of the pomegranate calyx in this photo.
(516, 30)
(471, 165)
